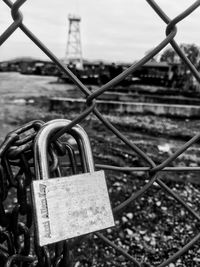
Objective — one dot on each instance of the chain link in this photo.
(17, 239)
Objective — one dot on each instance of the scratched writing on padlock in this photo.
(71, 206)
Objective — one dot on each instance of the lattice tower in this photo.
(74, 51)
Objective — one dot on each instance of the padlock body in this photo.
(71, 206)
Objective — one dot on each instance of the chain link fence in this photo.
(16, 152)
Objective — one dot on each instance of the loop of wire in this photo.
(153, 171)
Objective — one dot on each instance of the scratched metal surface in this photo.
(80, 200)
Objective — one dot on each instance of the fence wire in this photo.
(152, 170)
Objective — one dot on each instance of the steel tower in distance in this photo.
(74, 51)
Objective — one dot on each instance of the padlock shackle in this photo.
(42, 142)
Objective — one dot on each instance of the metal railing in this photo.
(24, 256)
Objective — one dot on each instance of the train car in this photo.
(159, 74)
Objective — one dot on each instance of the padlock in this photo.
(71, 206)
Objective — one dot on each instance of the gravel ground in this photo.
(154, 226)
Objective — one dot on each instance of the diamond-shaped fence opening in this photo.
(131, 242)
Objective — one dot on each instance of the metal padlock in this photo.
(67, 207)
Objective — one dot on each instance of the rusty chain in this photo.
(17, 244)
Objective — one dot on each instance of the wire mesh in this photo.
(152, 171)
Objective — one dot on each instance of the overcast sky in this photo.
(113, 30)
